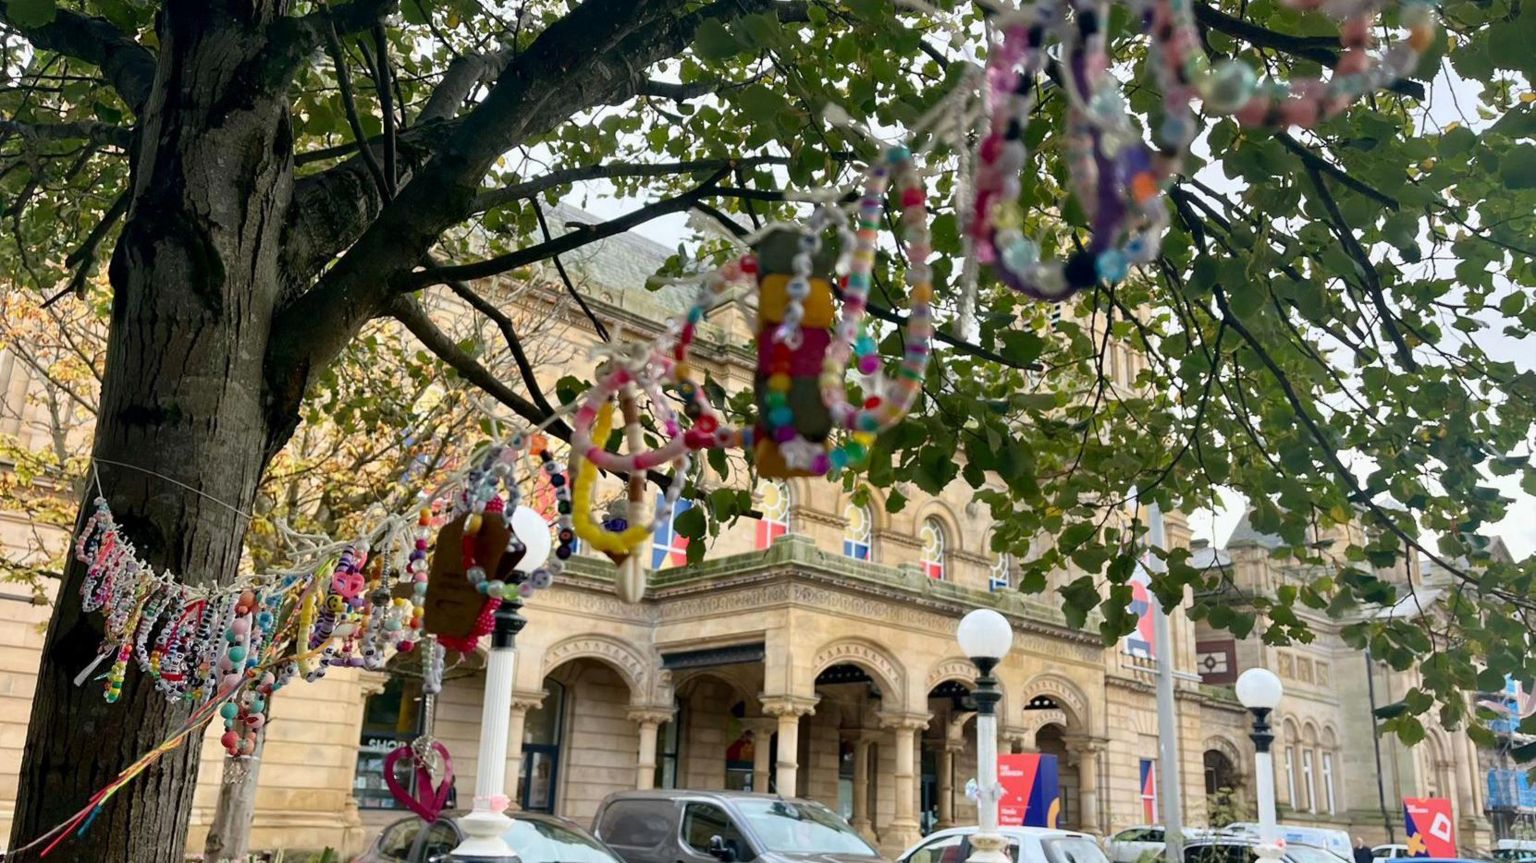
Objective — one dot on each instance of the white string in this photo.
(172, 481)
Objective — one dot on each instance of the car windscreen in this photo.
(1219, 853)
(1073, 849)
(1308, 854)
(537, 841)
(800, 828)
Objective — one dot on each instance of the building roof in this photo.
(1203, 556)
(1245, 536)
(616, 269)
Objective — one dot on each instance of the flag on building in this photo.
(1149, 790)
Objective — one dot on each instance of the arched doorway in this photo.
(579, 744)
(1220, 773)
(948, 756)
(1051, 740)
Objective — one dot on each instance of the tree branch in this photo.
(565, 243)
(344, 83)
(409, 312)
(129, 66)
(597, 325)
(1370, 279)
(565, 176)
(1313, 160)
(96, 133)
(1318, 49)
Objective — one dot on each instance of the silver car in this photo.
(725, 827)
(535, 838)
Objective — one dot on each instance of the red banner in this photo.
(1031, 790)
(1431, 829)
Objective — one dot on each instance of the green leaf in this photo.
(31, 13)
(1518, 167)
(714, 42)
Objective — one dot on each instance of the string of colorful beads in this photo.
(565, 530)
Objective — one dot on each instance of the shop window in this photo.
(390, 718)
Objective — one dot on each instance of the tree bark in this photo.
(229, 836)
(194, 279)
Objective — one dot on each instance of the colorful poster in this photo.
(1430, 827)
(1149, 791)
(1140, 643)
(1031, 790)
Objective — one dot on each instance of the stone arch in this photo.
(636, 668)
(1228, 747)
(958, 668)
(1067, 695)
(872, 658)
(1227, 750)
(743, 690)
(879, 518)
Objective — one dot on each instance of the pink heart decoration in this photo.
(428, 801)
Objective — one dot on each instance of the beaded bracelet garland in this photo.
(1118, 180)
(799, 343)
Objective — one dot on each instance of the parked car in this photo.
(1335, 841)
(1130, 844)
(1025, 845)
(1243, 849)
(535, 838)
(1389, 852)
(665, 826)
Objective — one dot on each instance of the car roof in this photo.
(1010, 831)
(684, 794)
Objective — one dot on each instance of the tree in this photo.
(272, 177)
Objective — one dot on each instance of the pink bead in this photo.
(1299, 112)
(1254, 112)
(869, 364)
(229, 740)
(229, 682)
(991, 148)
(255, 720)
(1353, 62)
(241, 626)
(912, 197)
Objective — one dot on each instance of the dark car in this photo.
(535, 838)
(725, 827)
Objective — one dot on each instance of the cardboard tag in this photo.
(452, 603)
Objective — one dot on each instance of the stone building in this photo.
(811, 653)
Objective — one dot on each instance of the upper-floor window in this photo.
(858, 534)
(934, 542)
(668, 547)
(774, 503)
(1002, 572)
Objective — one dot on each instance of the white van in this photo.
(1336, 841)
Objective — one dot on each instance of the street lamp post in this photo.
(485, 827)
(985, 637)
(1259, 690)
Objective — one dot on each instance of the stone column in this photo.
(650, 720)
(762, 737)
(904, 830)
(788, 709)
(947, 782)
(522, 702)
(861, 821)
(1086, 750)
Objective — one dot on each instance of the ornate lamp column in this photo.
(986, 636)
(1259, 690)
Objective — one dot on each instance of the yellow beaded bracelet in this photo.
(583, 476)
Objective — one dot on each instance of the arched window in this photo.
(1289, 736)
(668, 547)
(858, 534)
(1002, 572)
(1330, 743)
(774, 503)
(1308, 771)
(933, 540)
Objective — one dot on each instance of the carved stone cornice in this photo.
(1085, 744)
(904, 721)
(788, 705)
(650, 715)
(526, 701)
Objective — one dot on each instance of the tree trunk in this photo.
(194, 279)
(229, 836)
